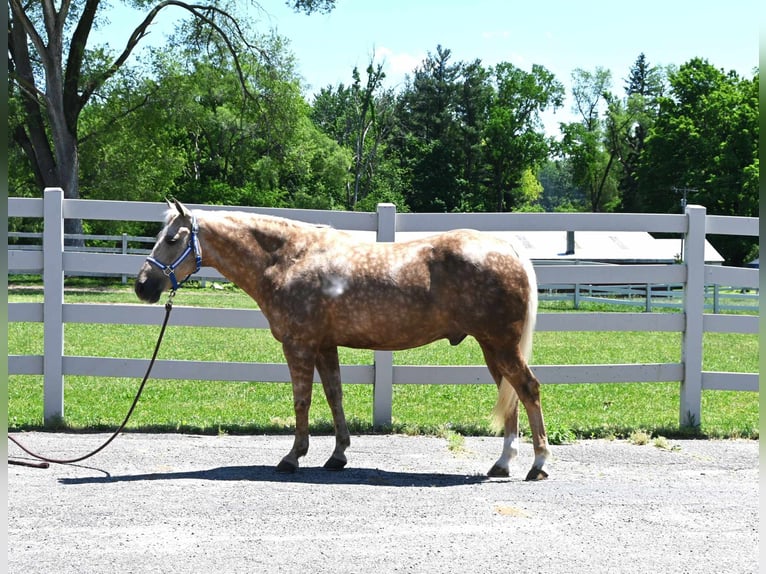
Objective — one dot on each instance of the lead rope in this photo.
(45, 460)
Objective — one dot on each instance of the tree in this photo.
(474, 98)
(559, 191)
(55, 74)
(516, 143)
(358, 117)
(584, 142)
(129, 150)
(197, 139)
(705, 138)
(629, 122)
(428, 134)
(469, 137)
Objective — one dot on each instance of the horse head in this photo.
(176, 254)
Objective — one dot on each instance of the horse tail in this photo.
(531, 320)
(507, 398)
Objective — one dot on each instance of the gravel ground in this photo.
(200, 504)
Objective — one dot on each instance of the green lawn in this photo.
(571, 411)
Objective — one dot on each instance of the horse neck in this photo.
(229, 244)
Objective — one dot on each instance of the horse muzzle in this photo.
(150, 286)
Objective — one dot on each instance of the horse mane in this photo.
(170, 212)
(245, 216)
(272, 232)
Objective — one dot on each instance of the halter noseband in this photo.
(191, 247)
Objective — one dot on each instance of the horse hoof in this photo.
(287, 467)
(335, 463)
(537, 474)
(498, 471)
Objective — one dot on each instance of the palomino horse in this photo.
(320, 288)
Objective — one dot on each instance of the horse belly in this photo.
(390, 329)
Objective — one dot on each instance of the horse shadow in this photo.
(307, 475)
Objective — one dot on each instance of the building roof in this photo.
(597, 246)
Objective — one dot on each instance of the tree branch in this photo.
(112, 121)
(22, 138)
(72, 103)
(21, 17)
(198, 11)
(19, 67)
(34, 140)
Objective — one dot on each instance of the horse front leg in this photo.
(329, 371)
(300, 361)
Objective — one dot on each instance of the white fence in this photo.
(53, 262)
(718, 298)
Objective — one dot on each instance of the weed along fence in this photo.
(54, 262)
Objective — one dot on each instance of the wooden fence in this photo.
(53, 262)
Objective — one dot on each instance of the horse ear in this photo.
(182, 209)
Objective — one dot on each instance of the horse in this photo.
(321, 288)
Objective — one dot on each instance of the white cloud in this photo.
(397, 65)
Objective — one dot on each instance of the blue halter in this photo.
(191, 247)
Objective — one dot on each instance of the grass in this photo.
(572, 411)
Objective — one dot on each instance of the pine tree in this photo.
(644, 86)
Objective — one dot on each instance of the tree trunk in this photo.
(52, 154)
(63, 123)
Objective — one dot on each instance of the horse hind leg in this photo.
(517, 382)
(329, 371)
(506, 416)
(529, 394)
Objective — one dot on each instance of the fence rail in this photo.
(53, 262)
(718, 298)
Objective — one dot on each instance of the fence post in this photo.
(648, 299)
(383, 388)
(716, 295)
(53, 302)
(124, 252)
(694, 308)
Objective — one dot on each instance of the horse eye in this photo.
(170, 240)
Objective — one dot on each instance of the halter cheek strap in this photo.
(191, 247)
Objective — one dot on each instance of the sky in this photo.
(560, 35)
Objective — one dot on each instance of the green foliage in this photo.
(514, 137)
(559, 191)
(468, 135)
(309, 6)
(358, 117)
(585, 143)
(127, 146)
(192, 133)
(629, 122)
(705, 138)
